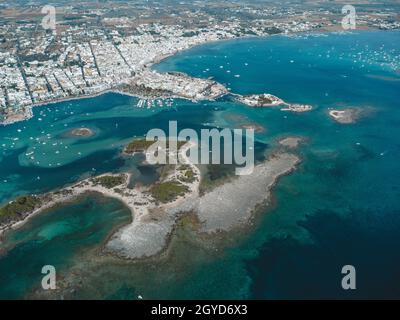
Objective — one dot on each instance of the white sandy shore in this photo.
(222, 209)
(151, 223)
(148, 234)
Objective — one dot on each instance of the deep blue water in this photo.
(340, 207)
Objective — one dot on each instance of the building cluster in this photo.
(102, 63)
(95, 49)
(177, 85)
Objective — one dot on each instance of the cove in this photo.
(56, 237)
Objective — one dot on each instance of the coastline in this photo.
(88, 96)
(46, 206)
(302, 204)
(153, 223)
(49, 205)
(138, 200)
(237, 200)
(149, 66)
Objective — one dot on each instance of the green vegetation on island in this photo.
(168, 191)
(262, 100)
(141, 145)
(188, 176)
(108, 181)
(19, 208)
(138, 145)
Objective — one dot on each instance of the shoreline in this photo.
(93, 95)
(44, 207)
(137, 200)
(150, 231)
(116, 91)
(161, 58)
(238, 199)
(148, 66)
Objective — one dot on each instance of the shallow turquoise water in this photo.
(340, 207)
(55, 238)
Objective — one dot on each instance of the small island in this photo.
(345, 116)
(81, 132)
(291, 142)
(260, 100)
(269, 100)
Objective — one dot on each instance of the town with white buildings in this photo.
(90, 51)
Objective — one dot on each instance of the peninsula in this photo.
(157, 208)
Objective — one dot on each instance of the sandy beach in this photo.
(151, 222)
(222, 209)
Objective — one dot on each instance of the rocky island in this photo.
(157, 208)
(260, 100)
(81, 132)
(269, 100)
(345, 116)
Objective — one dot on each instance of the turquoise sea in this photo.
(340, 207)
